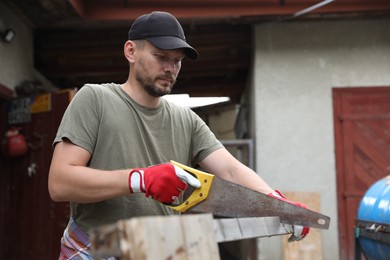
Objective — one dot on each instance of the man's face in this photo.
(156, 70)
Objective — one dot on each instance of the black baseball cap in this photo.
(163, 31)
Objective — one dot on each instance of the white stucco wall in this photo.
(16, 58)
(296, 66)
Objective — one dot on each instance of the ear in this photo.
(128, 50)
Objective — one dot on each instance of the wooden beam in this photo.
(118, 10)
(188, 237)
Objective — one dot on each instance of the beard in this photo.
(148, 82)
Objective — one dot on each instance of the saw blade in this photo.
(228, 199)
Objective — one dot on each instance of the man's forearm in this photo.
(86, 185)
(222, 164)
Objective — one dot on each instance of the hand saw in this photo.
(226, 199)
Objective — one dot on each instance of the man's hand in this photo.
(298, 232)
(164, 182)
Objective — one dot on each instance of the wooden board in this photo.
(189, 237)
(231, 229)
(310, 247)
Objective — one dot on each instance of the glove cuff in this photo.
(136, 181)
(277, 194)
(298, 232)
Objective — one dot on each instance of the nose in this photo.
(171, 67)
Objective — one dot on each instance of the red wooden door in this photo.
(362, 136)
(31, 223)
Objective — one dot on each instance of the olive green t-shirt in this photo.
(121, 134)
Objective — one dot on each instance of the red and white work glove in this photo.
(163, 182)
(298, 232)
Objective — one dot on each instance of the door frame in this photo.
(337, 94)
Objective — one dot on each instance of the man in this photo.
(111, 135)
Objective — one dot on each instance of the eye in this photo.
(177, 61)
(164, 58)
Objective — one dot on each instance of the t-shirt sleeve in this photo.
(204, 140)
(80, 121)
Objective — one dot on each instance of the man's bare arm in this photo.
(224, 165)
(71, 180)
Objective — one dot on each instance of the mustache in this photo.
(169, 77)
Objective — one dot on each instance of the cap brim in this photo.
(171, 43)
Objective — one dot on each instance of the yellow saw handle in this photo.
(199, 194)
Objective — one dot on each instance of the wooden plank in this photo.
(154, 238)
(243, 228)
(158, 237)
(187, 237)
(199, 238)
(310, 247)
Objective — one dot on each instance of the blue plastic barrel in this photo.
(375, 207)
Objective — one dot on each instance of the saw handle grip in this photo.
(199, 194)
